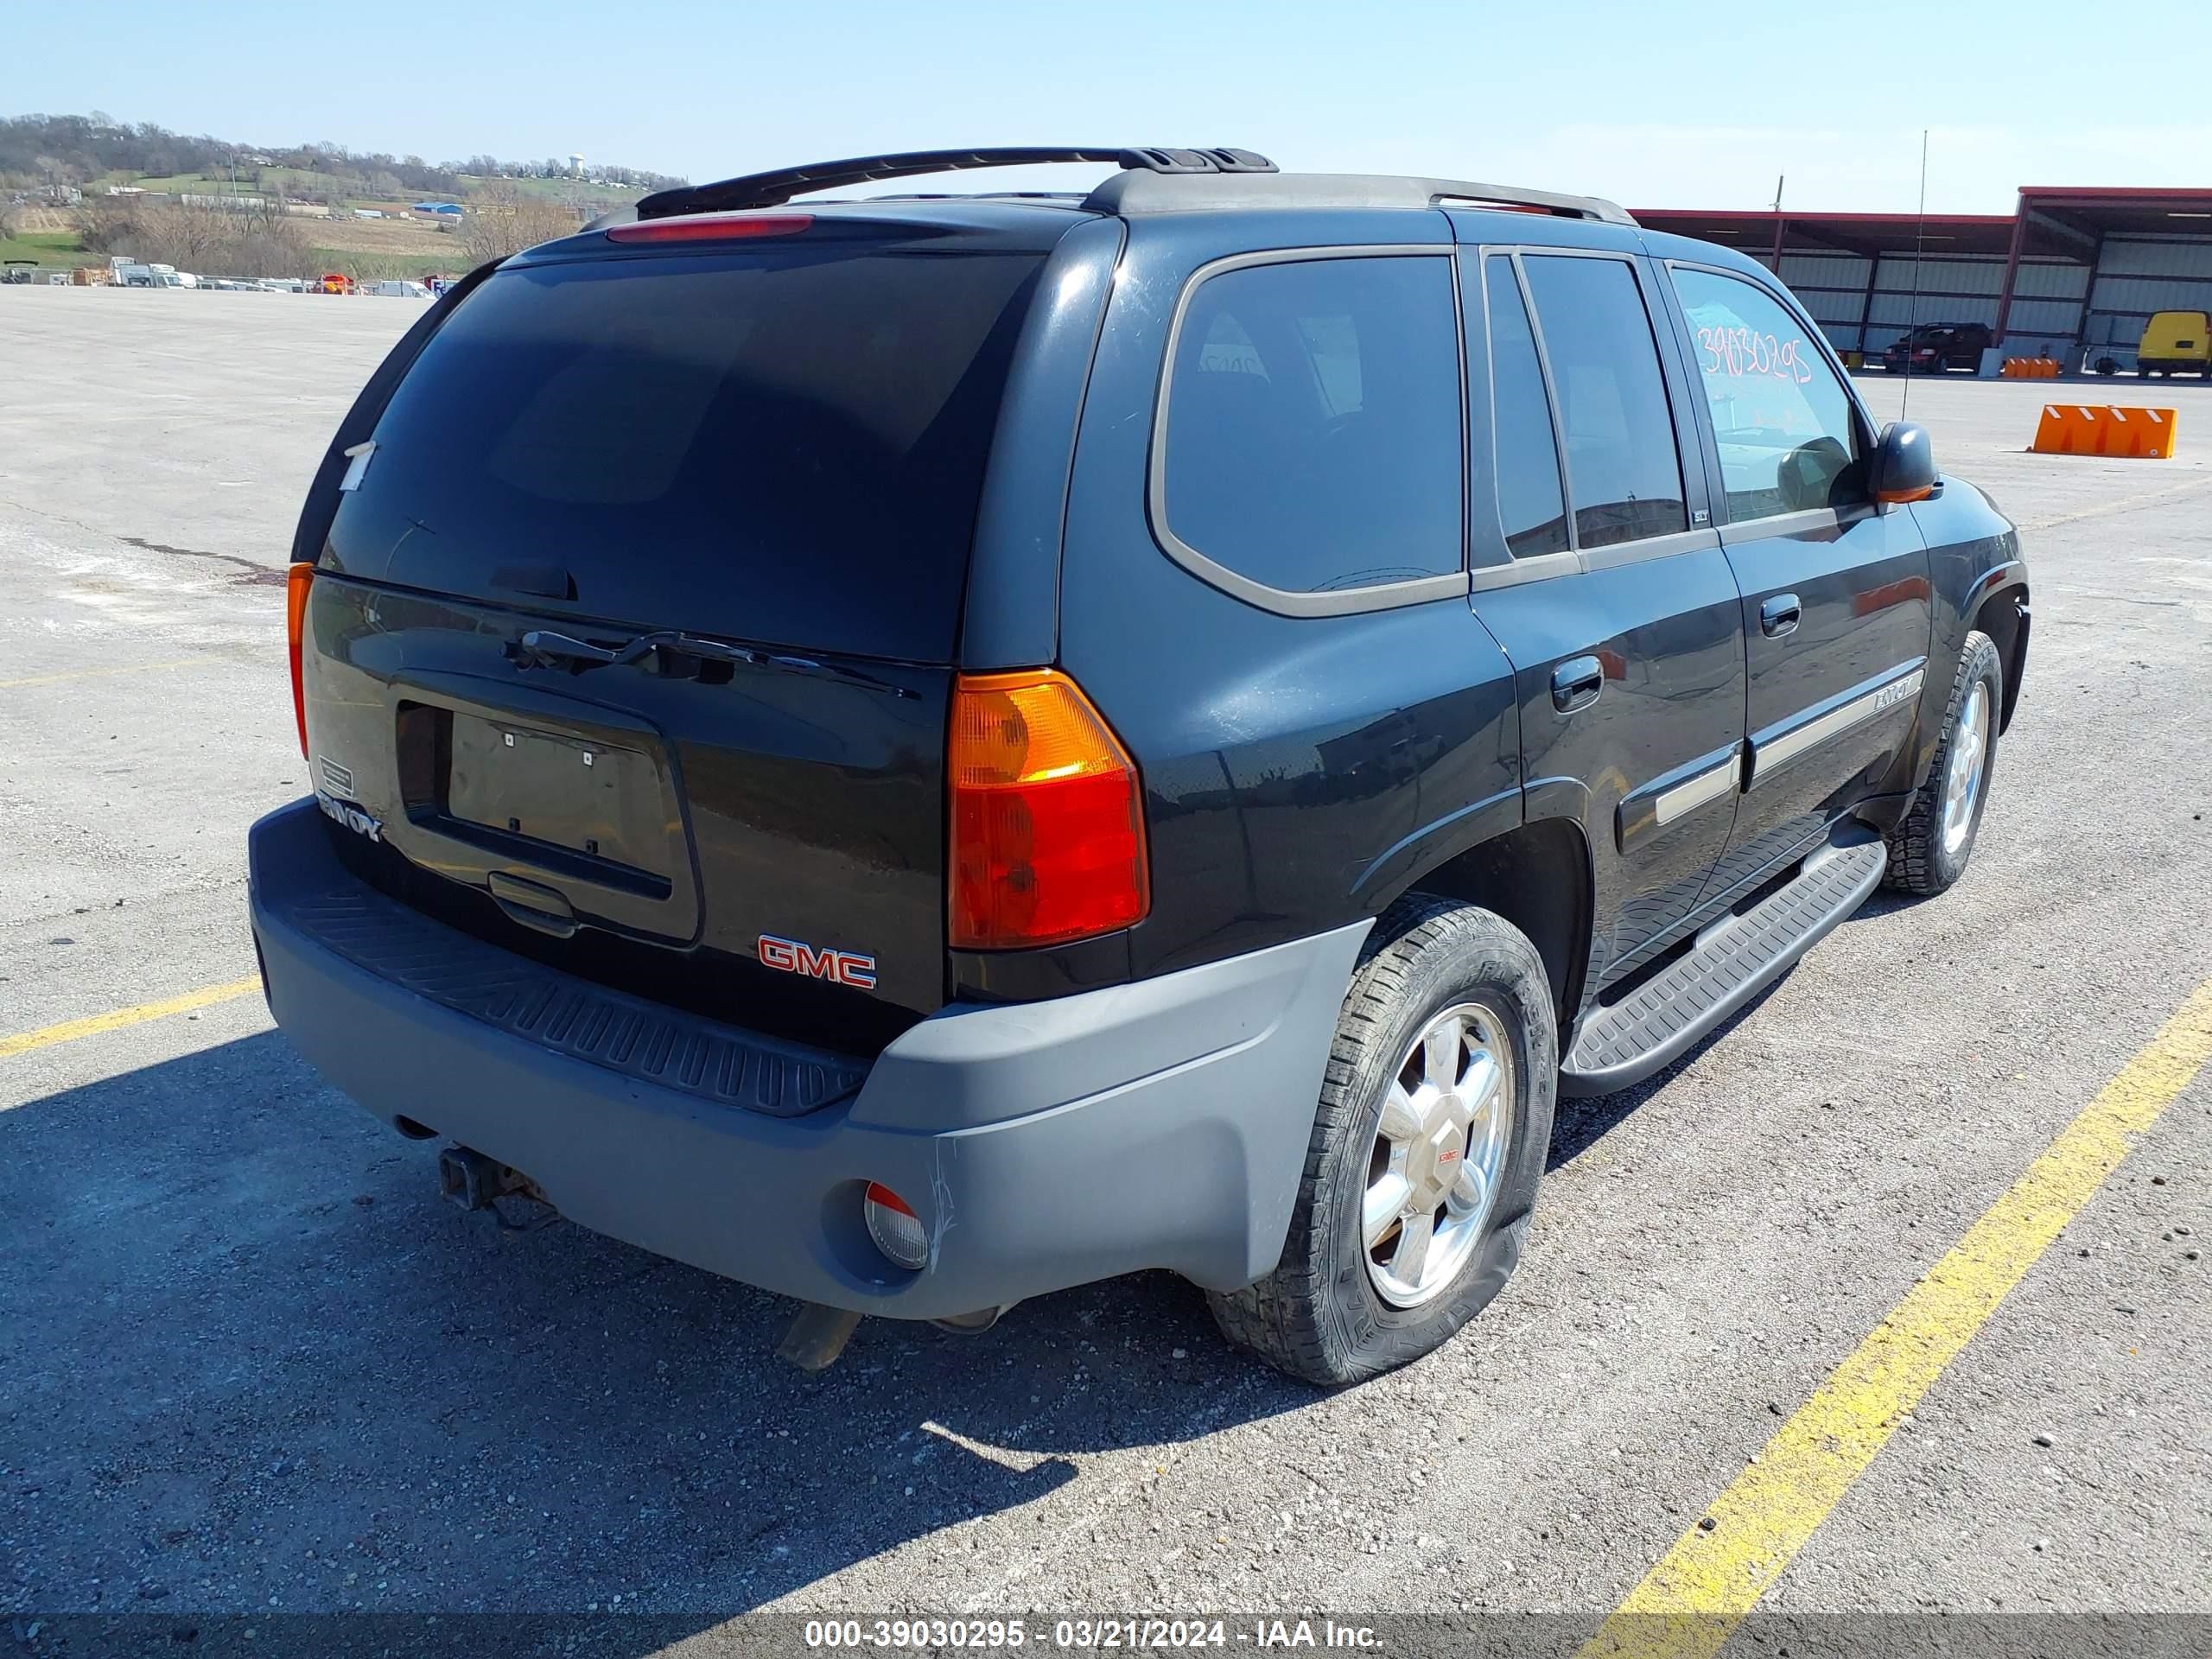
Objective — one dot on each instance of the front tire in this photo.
(1428, 1143)
(1929, 851)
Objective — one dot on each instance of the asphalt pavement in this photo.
(249, 1364)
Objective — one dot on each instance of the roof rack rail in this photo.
(1513, 195)
(773, 190)
(1137, 193)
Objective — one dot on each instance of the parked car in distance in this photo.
(2175, 342)
(1934, 347)
(917, 753)
(398, 291)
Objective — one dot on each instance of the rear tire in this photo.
(1929, 851)
(1351, 1297)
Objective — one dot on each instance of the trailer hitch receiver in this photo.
(467, 1178)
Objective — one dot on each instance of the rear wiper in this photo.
(540, 648)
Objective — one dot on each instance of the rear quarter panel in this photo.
(1299, 771)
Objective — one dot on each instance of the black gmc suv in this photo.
(920, 752)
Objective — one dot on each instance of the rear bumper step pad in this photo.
(322, 901)
(1659, 1022)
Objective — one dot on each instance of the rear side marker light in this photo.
(895, 1228)
(711, 227)
(1048, 832)
(296, 581)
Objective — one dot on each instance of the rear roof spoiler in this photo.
(775, 188)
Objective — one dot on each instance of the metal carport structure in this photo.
(2073, 273)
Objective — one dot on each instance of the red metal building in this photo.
(2073, 273)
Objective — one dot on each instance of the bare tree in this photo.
(501, 220)
(224, 237)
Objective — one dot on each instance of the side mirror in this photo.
(1903, 466)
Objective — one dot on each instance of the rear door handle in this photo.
(1780, 615)
(1576, 684)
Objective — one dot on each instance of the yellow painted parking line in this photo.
(101, 673)
(1691, 1602)
(93, 1024)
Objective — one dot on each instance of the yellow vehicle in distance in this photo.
(2175, 342)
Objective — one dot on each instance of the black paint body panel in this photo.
(786, 805)
(1300, 771)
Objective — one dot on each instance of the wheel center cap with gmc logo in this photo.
(1433, 1161)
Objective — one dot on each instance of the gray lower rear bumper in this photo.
(1162, 1124)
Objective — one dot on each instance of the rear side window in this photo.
(785, 447)
(1312, 423)
(1780, 415)
(1622, 464)
(1529, 502)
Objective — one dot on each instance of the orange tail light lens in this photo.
(296, 580)
(1048, 838)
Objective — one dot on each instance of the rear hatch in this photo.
(629, 645)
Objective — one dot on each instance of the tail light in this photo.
(1048, 836)
(296, 580)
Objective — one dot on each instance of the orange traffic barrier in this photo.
(2029, 368)
(2065, 430)
(2104, 429)
(2148, 433)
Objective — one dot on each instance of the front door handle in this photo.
(1576, 684)
(1780, 616)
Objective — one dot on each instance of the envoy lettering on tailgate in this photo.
(351, 816)
(791, 957)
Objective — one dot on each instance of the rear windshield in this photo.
(783, 446)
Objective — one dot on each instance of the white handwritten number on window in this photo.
(1737, 352)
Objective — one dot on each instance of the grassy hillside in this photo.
(301, 182)
(558, 189)
(374, 267)
(60, 248)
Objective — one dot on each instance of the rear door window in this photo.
(1313, 424)
(782, 446)
(1530, 503)
(1781, 416)
(1623, 467)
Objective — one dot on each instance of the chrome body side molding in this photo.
(1808, 729)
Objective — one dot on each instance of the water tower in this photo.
(575, 166)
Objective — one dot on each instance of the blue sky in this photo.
(1658, 106)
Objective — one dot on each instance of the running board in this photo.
(1732, 961)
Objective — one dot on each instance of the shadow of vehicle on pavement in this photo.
(249, 1355)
